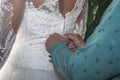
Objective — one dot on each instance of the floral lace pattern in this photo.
(37, 24)
(7, 35)
(70, 17)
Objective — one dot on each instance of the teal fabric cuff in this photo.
(56, 47)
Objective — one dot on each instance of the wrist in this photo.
(57, 46)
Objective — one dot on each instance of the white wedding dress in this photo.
(28, 59)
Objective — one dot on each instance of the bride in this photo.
(33, 21)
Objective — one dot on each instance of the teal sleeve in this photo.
(60, 55)
(95, 61)
(99, 59)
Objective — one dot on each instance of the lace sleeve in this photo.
(82, 19)
(7, 34)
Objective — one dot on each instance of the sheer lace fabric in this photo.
(37, 24)
(7, 34)
(70, 20)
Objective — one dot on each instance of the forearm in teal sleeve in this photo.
(67, 62)
(60, 55)
(88, 63)
(99, 59)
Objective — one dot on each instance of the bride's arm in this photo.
(18, 10)
(10, 19)
(82, 20)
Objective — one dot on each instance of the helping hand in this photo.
(75, 41)
(53, 39)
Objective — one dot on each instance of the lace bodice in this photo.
(37, 24)
(52, 7)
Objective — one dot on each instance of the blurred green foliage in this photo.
(96, 9)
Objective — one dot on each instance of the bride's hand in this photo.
(75, 41)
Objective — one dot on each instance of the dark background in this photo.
(96, 9)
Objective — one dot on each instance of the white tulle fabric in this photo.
(29, 48)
